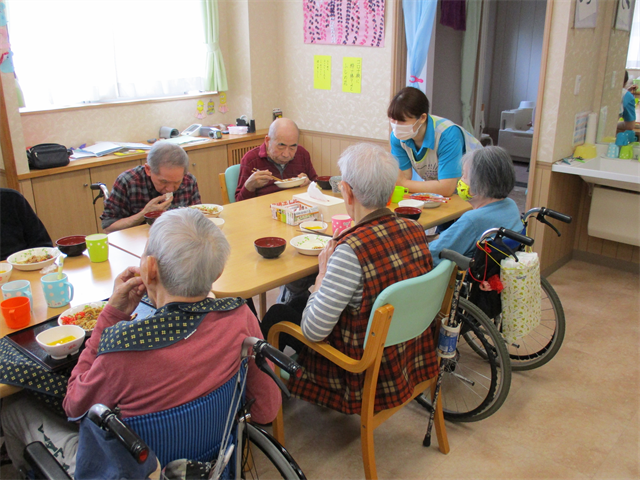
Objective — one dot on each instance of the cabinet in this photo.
(205, 164)
(64, 204)
(108, 175)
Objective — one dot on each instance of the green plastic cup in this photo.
(98, 246)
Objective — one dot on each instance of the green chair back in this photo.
(231, 176)
(415, 301)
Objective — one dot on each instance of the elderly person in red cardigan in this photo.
(379, 250)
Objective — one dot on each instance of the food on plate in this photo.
(208, 209)
(35, 258)
(68, 338)
(317, 247)
(86, 318)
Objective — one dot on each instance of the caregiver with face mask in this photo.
(487, 179)
(429, 145)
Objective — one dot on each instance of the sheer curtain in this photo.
(77, 51)
(633, 57)
(216, 74)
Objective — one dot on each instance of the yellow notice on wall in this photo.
(322, 72)
(351, 74)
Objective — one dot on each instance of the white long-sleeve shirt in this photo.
(341, 288)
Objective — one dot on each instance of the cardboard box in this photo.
(333, 206)
(293, 212)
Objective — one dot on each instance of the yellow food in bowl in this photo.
(67, 339)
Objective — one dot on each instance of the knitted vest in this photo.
(389, 249)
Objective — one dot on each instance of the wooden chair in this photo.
(401, 312)
(229, 183)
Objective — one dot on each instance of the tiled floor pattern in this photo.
(575, 418)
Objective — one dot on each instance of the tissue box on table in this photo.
(328, 208)
(293, 212)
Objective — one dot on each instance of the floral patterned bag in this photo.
(521, 295)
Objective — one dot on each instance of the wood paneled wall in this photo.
(569, 194)
(325, 149)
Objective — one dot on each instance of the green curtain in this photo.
(469, 57)
(216, 75)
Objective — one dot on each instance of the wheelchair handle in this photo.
(263, 348)
(557, 215)
(104, 418)
(518, 237)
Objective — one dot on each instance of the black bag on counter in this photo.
(48, 155)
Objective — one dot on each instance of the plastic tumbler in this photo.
(17, 288)
(58, 292)
(340, 223)
(98, 246)
(16, 312)
(398, 194)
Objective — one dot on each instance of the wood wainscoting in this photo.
(326, 148)
(569, 194)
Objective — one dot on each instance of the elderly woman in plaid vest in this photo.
(379, 250)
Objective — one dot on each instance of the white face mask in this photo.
(404, 132)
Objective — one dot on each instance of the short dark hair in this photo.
(408, 102)
(626, 78)
(491, 172)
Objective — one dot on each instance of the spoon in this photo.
(60, 266)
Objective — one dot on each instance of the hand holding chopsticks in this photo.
(272, 177)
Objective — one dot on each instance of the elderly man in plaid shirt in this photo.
(162, 183)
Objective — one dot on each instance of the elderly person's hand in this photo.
(158, 203)
(323, 259)
(306, 179)
(128, 290)
(258, 179)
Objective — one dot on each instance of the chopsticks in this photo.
(427, 198)
(271, 176)
(304, 230)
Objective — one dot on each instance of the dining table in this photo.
(247, 273)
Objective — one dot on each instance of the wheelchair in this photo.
(210, 437)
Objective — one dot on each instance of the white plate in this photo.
(209, 209)
(24, 254)
(314, 226)
(290, 183)
(428, 204)
(308, 244)
(79, 308)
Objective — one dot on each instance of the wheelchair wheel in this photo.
(265, 457)
(544, 341)
(477, 380)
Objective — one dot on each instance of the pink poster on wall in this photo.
(344, 22)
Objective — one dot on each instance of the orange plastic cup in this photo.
(16, 312)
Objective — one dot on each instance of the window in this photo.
(77, 51)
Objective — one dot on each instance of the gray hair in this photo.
(281, 123)
(190, 250)
(371, 172)
(490, 172)
(164, 154)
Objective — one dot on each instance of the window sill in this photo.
(84, 106)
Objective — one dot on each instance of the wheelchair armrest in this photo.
(44, 465)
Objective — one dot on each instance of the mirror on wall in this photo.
(613, 83)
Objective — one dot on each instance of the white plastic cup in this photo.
(448, 340)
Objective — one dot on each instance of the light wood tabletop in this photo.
(247, 273)
(91, 282)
